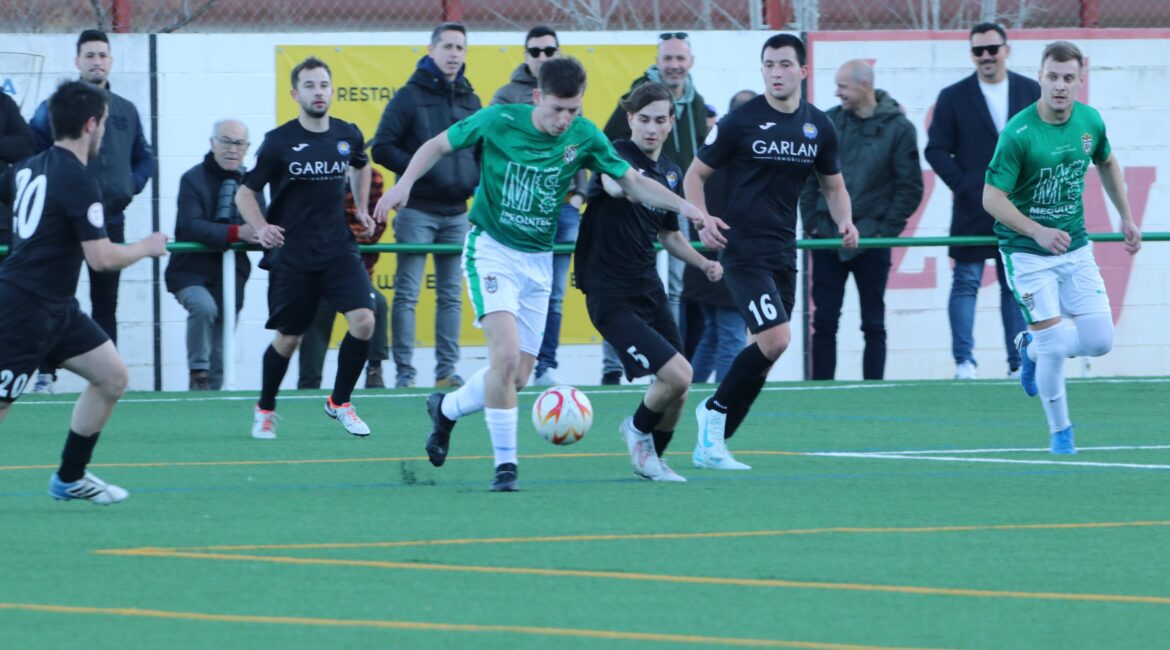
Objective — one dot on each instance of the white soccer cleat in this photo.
(965, 370)
(711, 450)
(264, 424)
(550, 377)
(89, 488)
(668, 475)
(347, 416)
(642, 454)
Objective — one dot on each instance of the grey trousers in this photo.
(204, 332)
(416, 227)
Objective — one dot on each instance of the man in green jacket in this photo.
(879, 158)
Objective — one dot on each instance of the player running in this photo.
(624, 295)
(58, 222)
(530, 154)
(1034, 186)
(769, 146)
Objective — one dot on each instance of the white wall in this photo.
(206, 77)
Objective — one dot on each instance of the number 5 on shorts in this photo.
(765, 306)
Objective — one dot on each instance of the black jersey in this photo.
(615, 246)
(767, 156)
(308, 173)
(56, 205)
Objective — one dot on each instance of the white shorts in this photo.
(500, 278)
(1048, 286)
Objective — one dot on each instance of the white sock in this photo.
(467, 399)
(1092, 335)
(1050, 356)
(501, 424)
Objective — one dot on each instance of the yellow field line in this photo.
(439, 627)
(653, 577)
(646, 536)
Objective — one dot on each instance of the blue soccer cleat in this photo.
(88, 488)
(1061, 442)
(1027, 366)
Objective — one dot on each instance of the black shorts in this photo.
(639, 327)
(34, 333)
(764, 296)
(293, 295)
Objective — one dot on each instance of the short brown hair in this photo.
(647, 94)
(1061, 51)
(311, 63)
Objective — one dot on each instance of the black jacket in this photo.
(201, 219)
(882, 171)
(961, 141)
(16, 144)
(425, 107)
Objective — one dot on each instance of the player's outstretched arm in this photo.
(677, 245)
(422, 161)
(840, 207)
(104, 255)
(267, 235)
(1114, 183)
(998, 205)
(694, 182)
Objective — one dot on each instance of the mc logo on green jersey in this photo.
(528, 189)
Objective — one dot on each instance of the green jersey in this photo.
(1042, 168)
(525, 173)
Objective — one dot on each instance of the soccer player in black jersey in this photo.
(624, 295)
(311, 252)
(58, 222)
(769, 146)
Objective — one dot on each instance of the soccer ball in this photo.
(562, 415)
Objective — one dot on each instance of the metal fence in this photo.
(161, 16)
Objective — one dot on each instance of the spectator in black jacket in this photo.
(123, 166)
(436, 97)
(16, 144)
(883, 173)
(207, 214)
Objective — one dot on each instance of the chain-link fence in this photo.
(29, 16)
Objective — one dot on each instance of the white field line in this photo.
(1006, 461)
(1005, 450)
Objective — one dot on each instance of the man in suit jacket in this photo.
(968, 117)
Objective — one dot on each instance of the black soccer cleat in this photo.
(506, 479)
(439, 442)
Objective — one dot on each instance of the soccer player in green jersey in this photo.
(530, 154)
(1033, 189)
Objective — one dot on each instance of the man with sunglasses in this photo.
(540, 45)
(968, 118)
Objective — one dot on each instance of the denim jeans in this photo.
(205, 331)
(724, 335)
(416, 227)
(965, 282)
(568, 221)
(870, 270)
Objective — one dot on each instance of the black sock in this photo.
(351, 358)
(644, 419)
(662, 441)
(745, 371)
(75, 456)
(744, 404)
(275, 367)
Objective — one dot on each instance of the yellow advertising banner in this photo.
(365, 77)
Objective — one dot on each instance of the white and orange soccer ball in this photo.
(562, 415)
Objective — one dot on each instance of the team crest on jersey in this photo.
(810, 130)
(96, 215)
(1087, 143)
(570, 153)
(1029, 301)
(343, 147)
(490, 284)
(672, 179)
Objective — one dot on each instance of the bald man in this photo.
(207, 214)
(879, 159)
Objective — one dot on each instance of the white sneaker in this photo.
(668, 475)
(711, 450)
(347, 417)
(264, 424)
(89, 488)
(642, 454)
(44, 385)
(550, 377)
(965, 370)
